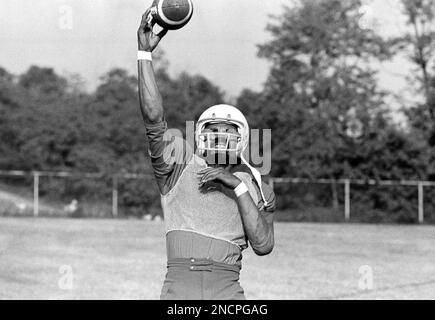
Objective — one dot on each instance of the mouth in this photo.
(221, 146)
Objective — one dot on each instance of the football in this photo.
(172, 14)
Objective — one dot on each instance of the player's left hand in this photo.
(219, 175)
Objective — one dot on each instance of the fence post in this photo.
(35, 194)
(271, 183)
(115, 196)
(347, 200)
(420, 202)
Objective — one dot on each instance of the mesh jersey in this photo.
(211, 213)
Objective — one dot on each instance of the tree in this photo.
(9, 106)
(321, 90)
(323, 103)
(43, 81)
(47, 122)
(420, 41)
(186, 97)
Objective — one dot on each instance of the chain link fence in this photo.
(95, 195)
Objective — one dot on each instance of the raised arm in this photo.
(149, 95)
(168, 154)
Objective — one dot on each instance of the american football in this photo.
(172, 14)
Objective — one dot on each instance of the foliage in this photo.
(329, 119)
(47, 124)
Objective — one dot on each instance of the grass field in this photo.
(125, 259)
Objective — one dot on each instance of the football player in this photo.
(213, 207)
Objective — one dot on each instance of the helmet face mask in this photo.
(220, 137)
(222, 129)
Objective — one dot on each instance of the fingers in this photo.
(209, 178)
(208, 170)
(144, 21)
(204, 174)
(204, 178)
(150, 22)
(209, 174)
(205, 170)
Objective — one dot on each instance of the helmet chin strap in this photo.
(256, 175)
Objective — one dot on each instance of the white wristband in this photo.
(144, 55)
(241, 189)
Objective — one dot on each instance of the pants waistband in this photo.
(194, 264)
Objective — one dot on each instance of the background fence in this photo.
(343, 193)
(102, 195)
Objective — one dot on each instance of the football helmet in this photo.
(222, 113)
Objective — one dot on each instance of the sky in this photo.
(89, 37)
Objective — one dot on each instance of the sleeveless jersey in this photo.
(211, 211)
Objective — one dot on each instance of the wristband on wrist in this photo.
(240, 189)
(144, 55)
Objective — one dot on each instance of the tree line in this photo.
(328, 115)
